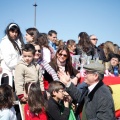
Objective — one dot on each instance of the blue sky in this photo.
(67, 17)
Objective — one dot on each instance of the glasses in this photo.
(94, 39)
(90, 72)
(64, 55)
(38, 51)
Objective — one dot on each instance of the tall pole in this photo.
(35, 5)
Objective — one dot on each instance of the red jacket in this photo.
(30, 116)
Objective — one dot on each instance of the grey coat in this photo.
(98, 104)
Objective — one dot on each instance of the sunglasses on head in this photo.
(94, 39)
(60, 54)
(38, 51)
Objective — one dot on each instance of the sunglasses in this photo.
(64, 55)
(94, 39)
(38, 51)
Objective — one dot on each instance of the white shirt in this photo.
(8, 114)
(46, 54)
(91, 87)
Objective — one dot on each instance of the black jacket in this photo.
(101, 54)
(54, 111)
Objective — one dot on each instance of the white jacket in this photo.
(9, 55)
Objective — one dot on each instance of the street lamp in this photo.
(35, 5)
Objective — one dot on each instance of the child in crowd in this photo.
(56, 90)
(7, 111)
(114, 65)
(71, 46)
(27, 71)
(35, 108)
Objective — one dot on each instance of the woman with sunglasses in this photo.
(10, 48)
(38, 58)
(62, 61)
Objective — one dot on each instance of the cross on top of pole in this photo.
(35, 5)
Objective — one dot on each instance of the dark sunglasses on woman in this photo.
(64, 55)
(38, 51)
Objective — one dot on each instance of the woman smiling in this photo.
(62, 61)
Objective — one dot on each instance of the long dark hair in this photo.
(85, 44)
(33, 32)
(68, 65)
(15, 27)
(36, 100)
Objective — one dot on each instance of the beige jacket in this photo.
(27, 73)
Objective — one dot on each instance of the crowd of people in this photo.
(40, 71)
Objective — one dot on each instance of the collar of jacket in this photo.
(91, 94)
(32, 63)
(97, 48)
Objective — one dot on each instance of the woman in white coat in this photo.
(10, 48)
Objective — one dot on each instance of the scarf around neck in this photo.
(61, 63)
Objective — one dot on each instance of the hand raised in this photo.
(64, 77)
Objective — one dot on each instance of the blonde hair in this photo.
(60, 42)
(108, 48)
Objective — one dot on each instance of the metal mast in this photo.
(35, 5)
